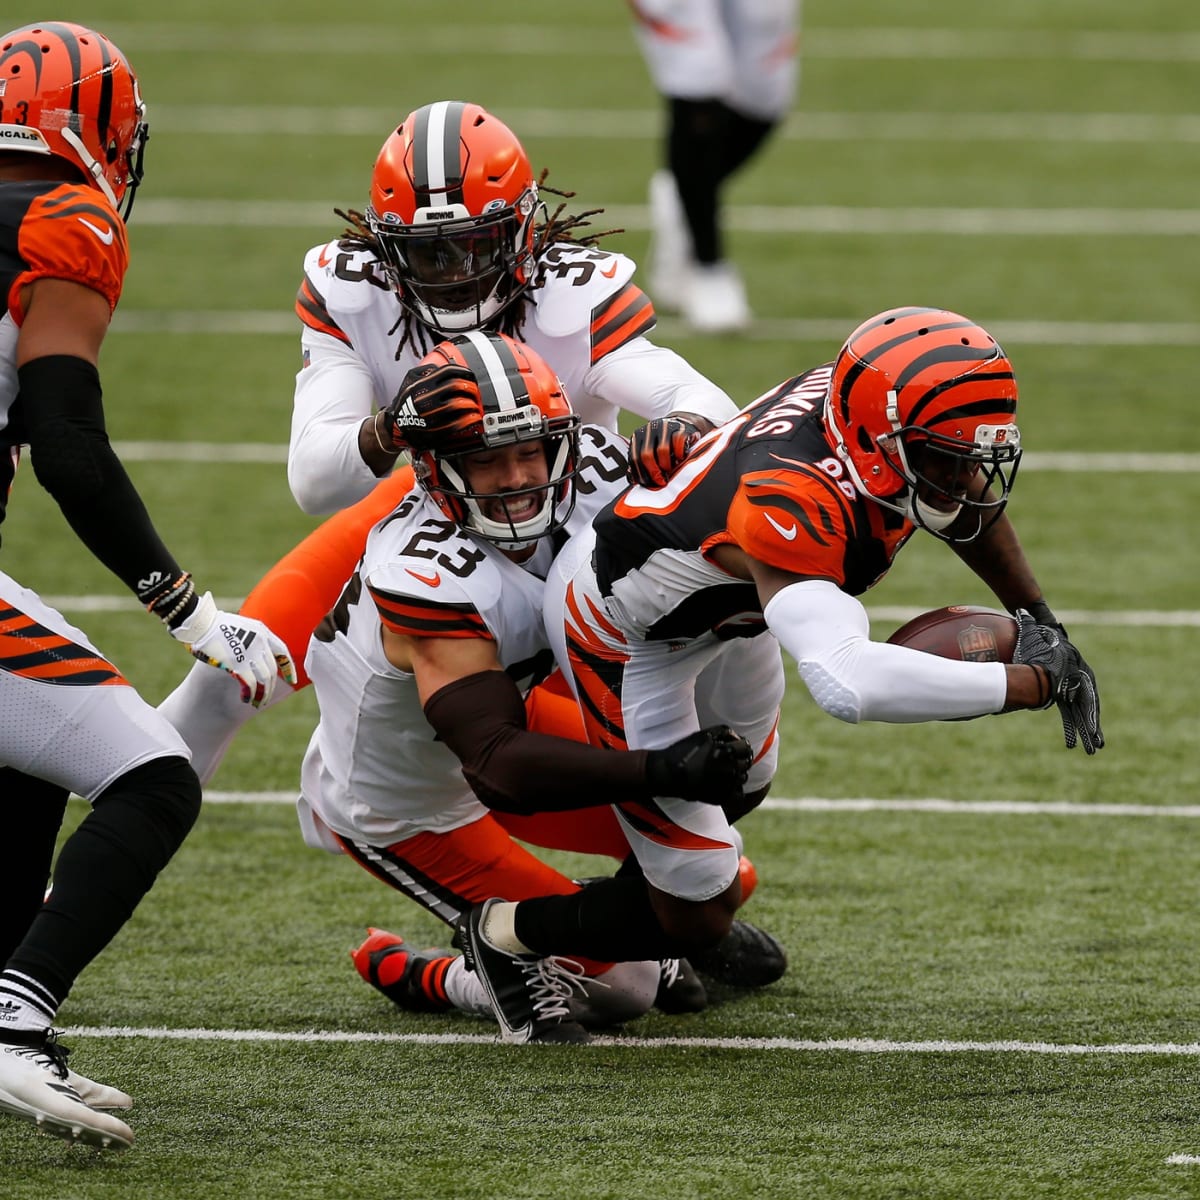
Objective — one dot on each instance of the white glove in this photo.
(244, 647)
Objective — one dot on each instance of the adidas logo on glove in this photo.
(406, 414)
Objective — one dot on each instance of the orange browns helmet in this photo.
(454, 207)
(485, 391)
(921, 411)
(68, 91)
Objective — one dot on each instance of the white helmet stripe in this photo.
(496, 372)
(435, 156)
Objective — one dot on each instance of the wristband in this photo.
(390, 451)
(175, 602)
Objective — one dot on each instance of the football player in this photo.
(422, 767)
(771, 529)
(455, 238)
(72, 134)
(727, 71)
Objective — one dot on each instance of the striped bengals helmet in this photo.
(483, 392)
(921, 411)
(454, 207)
(69, 92)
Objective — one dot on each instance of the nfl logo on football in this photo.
(977, 644)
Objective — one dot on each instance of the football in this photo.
(961, 631)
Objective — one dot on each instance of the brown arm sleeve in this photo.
(512, 768)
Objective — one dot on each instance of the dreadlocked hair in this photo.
(559, 226)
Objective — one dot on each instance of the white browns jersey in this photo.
(745, 52)
(374, 771)
(584, 315)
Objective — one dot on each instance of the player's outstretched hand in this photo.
(709, 766)
(657, 448)
(1072, 682)
(243, 646)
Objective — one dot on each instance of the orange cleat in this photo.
(749, 877)
(414, 980)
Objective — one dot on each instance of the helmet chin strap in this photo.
(935, 520)
(925, 515)
(93, 168)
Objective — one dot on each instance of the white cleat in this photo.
(670, 251)
(35, 1086)
(714, 299)
(98, 1095)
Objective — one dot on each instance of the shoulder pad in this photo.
(72, 232)
(603, 472)
(571, 282)
(794, 518)
(418, 552)
(346, 280)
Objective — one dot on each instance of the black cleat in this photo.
(530, 995)
(746, 957)
(679, 988)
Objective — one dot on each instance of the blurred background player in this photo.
(422, 767)
(774, 525)
(455, 238)
(727, 70)
(72, 134)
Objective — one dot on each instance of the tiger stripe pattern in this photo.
(30, 650)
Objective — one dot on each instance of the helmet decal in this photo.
(436, 151)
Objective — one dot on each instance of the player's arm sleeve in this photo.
(513, 769)
(334, 392)
(74, 462)
(653, 381)
(855, 679)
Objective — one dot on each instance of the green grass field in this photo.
(992, 996)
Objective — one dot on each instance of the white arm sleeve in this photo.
(334, 393)
(855, 679)
(653, 381)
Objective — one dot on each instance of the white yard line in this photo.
(744, 218)
(565, 41)
(803, 1045)
(1001, 808)
(1070, 462)
(212, 120)
(892, 614)
(1007, 808)
(227, 322)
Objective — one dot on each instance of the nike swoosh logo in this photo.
(788, 533)
(434, 580)
(105, 234)
(323, 260)
(609, 272)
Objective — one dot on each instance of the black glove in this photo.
(657, 449)
(1072, 682)
(709, 766)
(1043, 615)
(437, 408)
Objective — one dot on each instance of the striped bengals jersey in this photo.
(374, 770)
(54, 230)
(768, 482)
